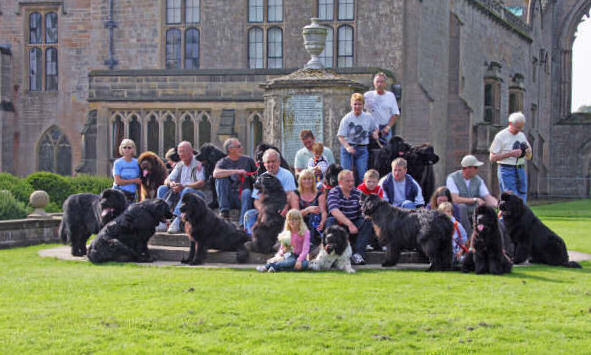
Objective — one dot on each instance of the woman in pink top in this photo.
(294, 257)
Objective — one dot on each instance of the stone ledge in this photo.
(31, 231)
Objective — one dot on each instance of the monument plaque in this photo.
(300, 112)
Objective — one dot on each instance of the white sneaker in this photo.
(271, 269)
(175, 226)
(261, 268)
(161, 227)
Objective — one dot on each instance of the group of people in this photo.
(310, 207)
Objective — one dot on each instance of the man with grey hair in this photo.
(382, 105)
(233, 179)
(510, 149)
(272, 162)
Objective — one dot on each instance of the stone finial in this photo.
(39, 199)
(314, 42)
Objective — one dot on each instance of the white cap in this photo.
(470, 160)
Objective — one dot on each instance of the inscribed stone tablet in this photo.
(300, 112)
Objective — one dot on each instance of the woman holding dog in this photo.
(126, 170)
(354, 131)
(296, 259)
(309, 198)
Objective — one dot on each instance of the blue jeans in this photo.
(250, 218)
(228, 197)
(364, 227)
(513, 179)
(359, 159)
(288, 264)
(407, 204)
(163, 189)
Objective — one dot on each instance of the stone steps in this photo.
(174, 247)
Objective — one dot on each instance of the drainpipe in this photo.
(111, 25)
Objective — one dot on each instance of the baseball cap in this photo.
(470, 160)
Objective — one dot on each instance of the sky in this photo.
(581, 65)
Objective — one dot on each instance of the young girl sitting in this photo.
(459, 240)
(294, 257)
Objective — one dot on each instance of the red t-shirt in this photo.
(376, 191)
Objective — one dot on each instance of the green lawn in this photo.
(55, 306)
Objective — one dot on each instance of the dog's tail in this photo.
(62, 233)
(573, 264)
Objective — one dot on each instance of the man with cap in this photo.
(468, 190)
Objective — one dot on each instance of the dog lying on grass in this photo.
(335, 251)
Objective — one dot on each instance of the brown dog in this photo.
(153, 174)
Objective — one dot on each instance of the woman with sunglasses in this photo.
(126, 171)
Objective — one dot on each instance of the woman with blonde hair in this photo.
(310, 200)
(126, 170)
(292, 255)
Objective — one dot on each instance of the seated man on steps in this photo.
(188, 175)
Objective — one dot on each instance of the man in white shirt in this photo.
(304, 154)
(510, 149)
(382, 105)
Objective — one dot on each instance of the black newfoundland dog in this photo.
(86, 214)
(269, 222)
(126, 238)
(335, 251)
(209, 155)
(488, 252)
(206, 230)
(153, 174)
(425, 230)
(532, 239)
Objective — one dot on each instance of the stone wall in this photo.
(30, 231)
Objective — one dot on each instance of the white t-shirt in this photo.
(188, 174)
(381, 107)
(357, 129)
(504, 142)
(451, 185)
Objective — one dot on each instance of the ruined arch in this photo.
(573, 14)
(54, 152)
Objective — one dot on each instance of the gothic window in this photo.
(182, 34)
(117, 135)
(327, 55)
(492, 101)
(187, 130)
(255, 48)
(515, 101)
(55, 152)
(42, 51)
(345, 47)
(169, 129)
(255, 133)
(346, 11)
(135, 132)
(173, 48)
(326, 9)
(275, 10)
(153, 132)
(275, 48)
(255, 10)
(204, 131)
(192, 49)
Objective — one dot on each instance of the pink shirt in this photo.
(301, 245)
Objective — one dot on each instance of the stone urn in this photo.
(39, 199)
(314, 41)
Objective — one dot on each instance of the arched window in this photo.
(135, 132)
(327, 55)
(345, 47)
(255, 133)
(35, 69)
(192, 49)
(204, 131)
(35, 28)
(51, 27)
(169, 132)
(117, 134)
(275, 48)
(255, 48)
(173, 48)
(153, 131)
(55, 152)
(51, 69)
(188, 129)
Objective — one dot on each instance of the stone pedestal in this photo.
(314, 99)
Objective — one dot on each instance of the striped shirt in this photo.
(350, 207)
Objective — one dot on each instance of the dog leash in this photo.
(458, 241)
(242, 179)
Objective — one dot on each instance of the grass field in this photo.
(55, 306)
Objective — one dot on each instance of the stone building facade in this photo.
(79, 75)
